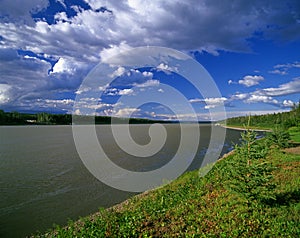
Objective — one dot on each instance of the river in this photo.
(44, 182)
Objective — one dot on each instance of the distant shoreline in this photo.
(243, 129)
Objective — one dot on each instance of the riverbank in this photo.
(242, 128)
(192, 205)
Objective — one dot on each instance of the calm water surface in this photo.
(43, 181)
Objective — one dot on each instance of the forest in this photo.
(284, 119)
(17, 118)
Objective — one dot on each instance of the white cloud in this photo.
(99, 106)
(196, 100)
(62, 2)
(214, 102)
(60, 101)
(4, 93)
(82, 90)
(282, 69)
(63, 66)
(210, 102)
(268, 95)
(118, 72)
(277, 71)
(119, 92)
(291, 87)
(296, 64)
(27, 76)
(240, 96)
(288, 103)
(166, 68)
(148, 83)
(125, 112)
(81, 40)
(77, 112)
(147, 74)
(261, 98)
(114, 50)
(249, 80)
(61, 16)
(138, 23)
(125, 91)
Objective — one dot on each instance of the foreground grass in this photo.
(201, 207)
(295, 133)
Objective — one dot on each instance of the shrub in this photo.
(279, 137)
(252, 176)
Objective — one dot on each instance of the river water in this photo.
(44, 182)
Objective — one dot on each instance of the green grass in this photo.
(201, 207)
(295, 133)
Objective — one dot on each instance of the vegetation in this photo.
(284, 120)
(294, 133)
(251, 173)
(16, 118)
(285, 126)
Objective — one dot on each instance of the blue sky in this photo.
(250, 48)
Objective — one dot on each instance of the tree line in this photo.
(283, 119)
(17, 118)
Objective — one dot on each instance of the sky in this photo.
(251, 49)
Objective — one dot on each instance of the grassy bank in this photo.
(205, 207)
(294, 132)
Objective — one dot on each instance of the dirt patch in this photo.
(293, 150)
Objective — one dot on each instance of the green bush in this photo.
(279, 137)
(252, 176)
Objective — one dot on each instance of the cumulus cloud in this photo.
(261, 98)
(136, 23)
(24, 75)
(214, 102)
(107, 28)
(250, 80)
(166, 68)
(63, 66)
(255, 97)
(288, 103)
(210, 102)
